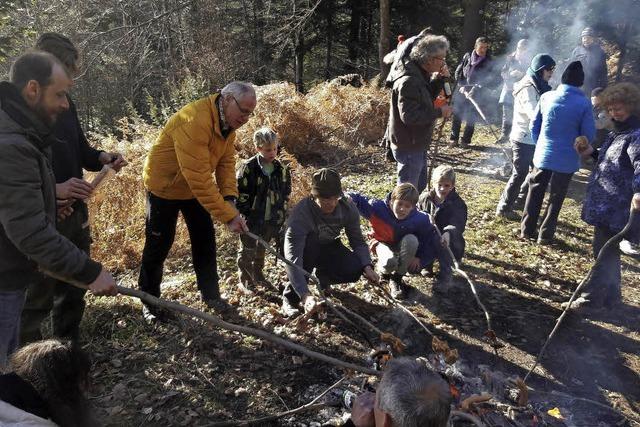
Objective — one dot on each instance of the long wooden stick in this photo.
(216, 321)
(467, 417)
(405, 309)
(259, 421)
(615, 240)
(458, 270)
(269, 248)
(246, 330)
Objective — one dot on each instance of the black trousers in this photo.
(558, 184)
(522, 161)
(160, 230)
(334, 263)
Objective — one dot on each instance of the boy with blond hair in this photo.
(264, 187)
(446, 207)
(403, 237)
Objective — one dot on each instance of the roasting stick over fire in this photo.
(490, 334)
(611, 243)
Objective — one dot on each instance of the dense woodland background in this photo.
(149, 57)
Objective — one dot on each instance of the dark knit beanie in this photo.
(588, 31)
(573, 75)
(326, 183)
(542, 61)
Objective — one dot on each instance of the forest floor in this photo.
(188, 373)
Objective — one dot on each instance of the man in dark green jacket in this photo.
(29, 242)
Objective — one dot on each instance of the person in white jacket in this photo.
(526, 93)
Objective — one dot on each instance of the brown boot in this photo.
(246, 281)
(258, 266)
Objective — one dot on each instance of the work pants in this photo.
(395, 259)
(522, 158)
(334, 264)
(160, 230)
(558, 184)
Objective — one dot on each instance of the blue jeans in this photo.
(11, 303)
(412, 167)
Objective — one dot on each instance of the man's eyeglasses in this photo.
(244, 112)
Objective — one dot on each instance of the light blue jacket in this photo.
(561, 116)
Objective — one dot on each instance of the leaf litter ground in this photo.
(186, 373)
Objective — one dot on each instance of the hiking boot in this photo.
(443, 283)
(217, 304)
(258, 277)
(507, 214)
(582, 304)
(427, 271)
(630, 249)
(453, 142)
(156, 315)
(385, 277)
(546, 242)
(288, 309)
(397, 287)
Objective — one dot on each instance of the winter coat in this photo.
(594, 64)
(615, 178)
(28, 236)
(72, 153)
(411, 113)
(510, 65)
(525, 100)
(256, 189)
(450, 215)
(10, 416)
(188, 153)
(484, 76)
(561, 116)
(21, 403)
(400, 60)
(306, 218)
(390, 230)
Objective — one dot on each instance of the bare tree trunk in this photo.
(330, 12)
(353, 45)
(623, 49)
(473, 22)
(383, 44)
(299, 61)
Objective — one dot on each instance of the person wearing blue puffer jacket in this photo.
(561, 116)
(404, 238)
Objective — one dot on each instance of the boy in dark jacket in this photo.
(264, 186)
(403, 238)
(448, 210)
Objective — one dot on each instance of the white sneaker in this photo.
(630, 249)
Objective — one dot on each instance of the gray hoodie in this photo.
(307, 218)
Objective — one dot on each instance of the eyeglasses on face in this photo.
(245, 113)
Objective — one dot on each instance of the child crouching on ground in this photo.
(264, 186)
(446, 207)
(404, 238)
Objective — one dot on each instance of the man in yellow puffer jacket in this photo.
(195, 144)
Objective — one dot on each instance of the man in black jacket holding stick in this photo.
(71, 153)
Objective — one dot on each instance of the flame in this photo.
(454, 391)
